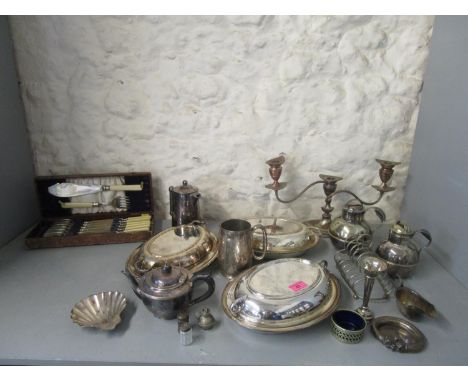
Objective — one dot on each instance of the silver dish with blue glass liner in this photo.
(282, 295)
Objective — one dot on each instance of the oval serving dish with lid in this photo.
(190, 246)
(281, 295)
(285, 237)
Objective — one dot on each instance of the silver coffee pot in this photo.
(184, 208)
(351, 224)
(401, 251)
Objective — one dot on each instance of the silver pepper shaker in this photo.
(182, 316)
(185, 333)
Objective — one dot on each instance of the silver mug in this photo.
(236, 246)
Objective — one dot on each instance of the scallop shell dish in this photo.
(101, 310)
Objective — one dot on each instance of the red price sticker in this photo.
(297, 286)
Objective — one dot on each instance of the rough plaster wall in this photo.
(210, 99)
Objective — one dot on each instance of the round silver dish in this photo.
(398, 334)
(255, 300)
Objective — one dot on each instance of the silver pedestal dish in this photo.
(281, 296)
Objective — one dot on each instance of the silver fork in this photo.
(121, 202)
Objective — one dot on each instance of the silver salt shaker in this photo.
(185, 333)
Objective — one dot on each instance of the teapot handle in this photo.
(265, 241)
(211, 287)
(427, 235)
(379, 212)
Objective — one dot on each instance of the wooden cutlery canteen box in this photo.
(93, 209)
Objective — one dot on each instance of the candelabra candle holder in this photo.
(372, 267)
(329, 183)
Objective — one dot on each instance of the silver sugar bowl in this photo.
(401, 251)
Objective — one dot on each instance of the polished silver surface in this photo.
(205, 319)
(285, 237)
(354, 278)
(279, 290)
(300, 320)
(372, 267)
(187, 245)
(401, 251)
(398, 334)
(236, 250)
(412, 305)
(101, 310)
(351, 224)
(183, 204)
(168, 290)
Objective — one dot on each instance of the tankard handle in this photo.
(427, 235)
(265, 241)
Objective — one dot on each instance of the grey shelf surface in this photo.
(39, 287)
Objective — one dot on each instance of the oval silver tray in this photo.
(310, 318)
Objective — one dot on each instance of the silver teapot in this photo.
(401, 251)
(168, 290)
(183, 201)
(351, 224)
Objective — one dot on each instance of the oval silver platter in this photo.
(299, 320)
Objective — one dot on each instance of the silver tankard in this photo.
(236, 246)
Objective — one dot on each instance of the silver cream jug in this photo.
(401, 251)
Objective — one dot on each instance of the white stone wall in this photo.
(210, 99)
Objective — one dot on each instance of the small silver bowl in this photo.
(348, 326)
(412, 305)
(101, 310)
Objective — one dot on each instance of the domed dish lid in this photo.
(282, 234)
(166, 282)
(296, 322)
(184, 245)
(280, 289)
(185, 188)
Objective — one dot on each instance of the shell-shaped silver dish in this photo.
(101, 310)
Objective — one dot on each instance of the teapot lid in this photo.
(401, 228)
(185, 188)
(353, 207)
(166, 282)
